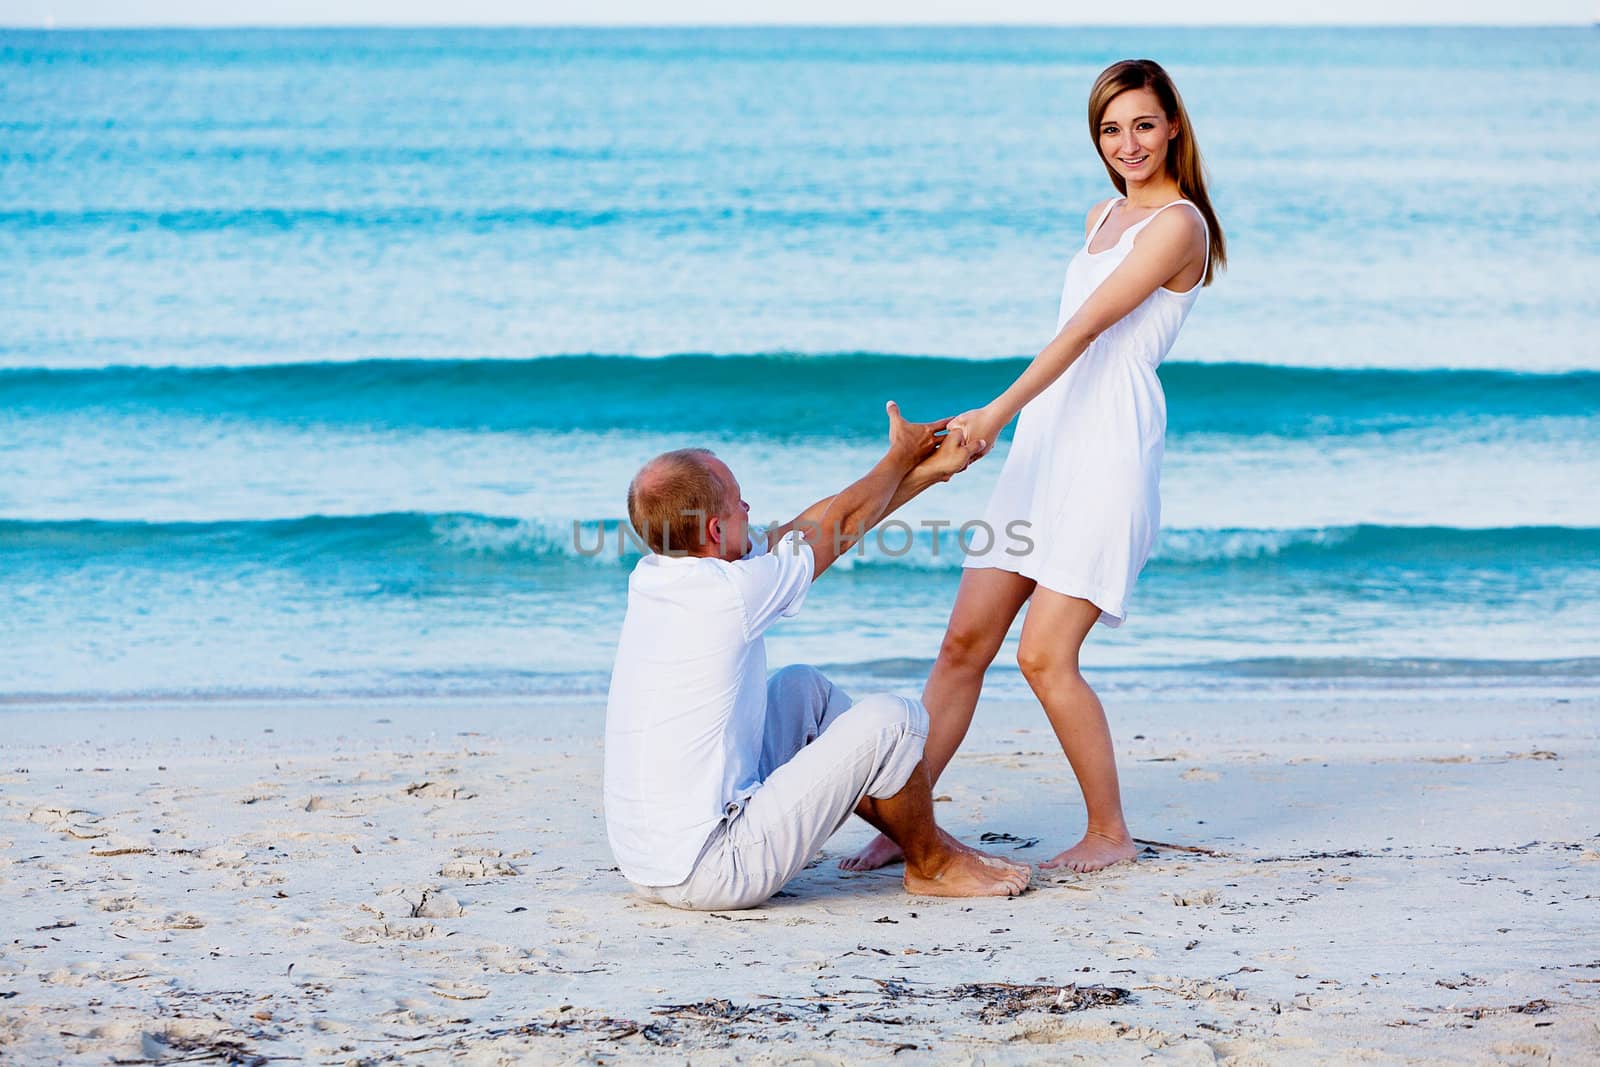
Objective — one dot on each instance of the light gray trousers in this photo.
(820, 755)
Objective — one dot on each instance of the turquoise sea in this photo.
(325, 356)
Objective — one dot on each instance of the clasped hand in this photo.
(980, 425)
(940, 448)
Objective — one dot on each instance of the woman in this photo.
(1085, 465)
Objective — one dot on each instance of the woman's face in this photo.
(1134, 134)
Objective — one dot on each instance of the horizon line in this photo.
(54, 26)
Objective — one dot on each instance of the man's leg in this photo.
(937, 865)
(801, 703)
(872, 750)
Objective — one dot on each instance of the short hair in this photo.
(671, 497)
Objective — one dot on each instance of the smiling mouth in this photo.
(1136, 161)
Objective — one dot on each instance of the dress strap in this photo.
(1106, 214)
(1164, 207)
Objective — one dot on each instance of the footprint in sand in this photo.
(809, 962)
(115, 903)
(1199, 774)
(251, 880)
(369, 935)
(74, 974)
(415, 902)
(73, 822)
(412, 1012)
(435, 904)
(154, 1040)
(170, 1038)
(508, 960)
(485, 852)
(224, 856)
(1194, 898)
(566, 918)
(477, 868)
(1127, 950)
(348, 807)
(1195, 988)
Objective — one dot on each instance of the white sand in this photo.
(1399, 879)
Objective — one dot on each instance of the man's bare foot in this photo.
(1095, 852)
(961, 846)
(880, 852)
(969, 874)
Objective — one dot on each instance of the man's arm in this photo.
(832, 525)
(952, 456)
(811, 517)
(916, 459)
(854, 510)
(808, 519)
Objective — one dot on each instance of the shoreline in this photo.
(362, 881)
(1248, 680)
(1480, 713)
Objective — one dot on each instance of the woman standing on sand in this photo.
(1085, 465)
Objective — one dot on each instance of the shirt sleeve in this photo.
(760, 544)
(774, 583)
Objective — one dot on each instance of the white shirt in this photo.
(688, 700)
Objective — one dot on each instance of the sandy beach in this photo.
(336, 334)
(1374, 877)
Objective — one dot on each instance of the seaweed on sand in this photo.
(1003, 1000)
(725, 1011)
(605, 1027)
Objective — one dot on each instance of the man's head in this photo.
(688, 503)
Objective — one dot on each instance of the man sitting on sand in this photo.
(721, 784)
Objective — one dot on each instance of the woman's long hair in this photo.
(1183, 154)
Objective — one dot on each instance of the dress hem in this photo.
(1108, 617)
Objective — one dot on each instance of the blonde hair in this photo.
(670, 499)
(1183, 153)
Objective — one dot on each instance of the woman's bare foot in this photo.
(966, 873)
(880, 852)
(1095, 852)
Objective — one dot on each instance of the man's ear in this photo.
(714, 530)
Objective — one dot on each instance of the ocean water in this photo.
(326, 356)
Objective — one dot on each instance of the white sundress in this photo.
(1084, 471)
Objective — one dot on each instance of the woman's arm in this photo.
(1169, 244)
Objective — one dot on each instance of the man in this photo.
(720, 785)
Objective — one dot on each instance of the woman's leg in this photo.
(1048, 655)
(986, 604)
